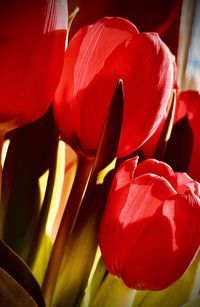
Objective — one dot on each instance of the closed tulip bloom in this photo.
(32, 46)
(149, 233)
(97, 57)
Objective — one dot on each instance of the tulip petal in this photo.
(188, 103)
(148, 262)
(84, 60)
(156, 167)
(125, 173)
(97, 57)
(186, 183)
(187, 223)
(32, 41)
(124, 207)
(150, 233)
(159, 258)
(149, 68)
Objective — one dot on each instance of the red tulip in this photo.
(149, 233)
(97, 57)
(188, 104)
(32, 39)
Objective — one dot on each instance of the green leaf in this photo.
(66, 225)
(15, 267)
(44, 211)
(113, 293)
(81, 248)
(28, 157)
(42, 258)
(97, 276)
(12, 294)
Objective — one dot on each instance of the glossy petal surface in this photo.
(97, 57)
(149, 214)
(162, 260)
(158, 168)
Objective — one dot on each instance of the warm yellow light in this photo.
(57, 190)
(102, 174)
(4, 151)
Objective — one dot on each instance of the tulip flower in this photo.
(32, 40)
(97, 57)
(149, 232)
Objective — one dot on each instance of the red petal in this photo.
(32, 40)
(78, 99)
(150, 145)
(187, 226)
(185, 183)
(188, 103)
(149, 67)
(96, 59)
(158, 168)
(126, 207)
(125, 173)
(162, 253)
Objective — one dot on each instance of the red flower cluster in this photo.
(150, 229)
(150, 210)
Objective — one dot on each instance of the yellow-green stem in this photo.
(66, 226)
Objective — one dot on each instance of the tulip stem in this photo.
(66, 226)
(42, 219)
(113, 292)
(2, 136)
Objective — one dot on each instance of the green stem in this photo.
(41, 222)
(113, 292)
(66, 226)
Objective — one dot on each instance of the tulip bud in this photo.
(32, 38)
(97, 57)
(149, 233)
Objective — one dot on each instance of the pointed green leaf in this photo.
(94, 282)
(39, 229)
(12, 294)
(28, 157)
(15, 267)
